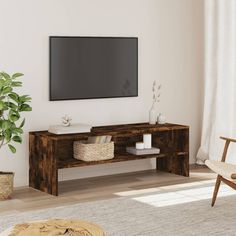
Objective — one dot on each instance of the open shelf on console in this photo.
(118, 158)
(68, 163)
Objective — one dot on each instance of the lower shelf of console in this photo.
(68, 163)
(71, 162)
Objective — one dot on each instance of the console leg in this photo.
(43, 172)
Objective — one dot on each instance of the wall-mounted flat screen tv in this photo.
(93, 67)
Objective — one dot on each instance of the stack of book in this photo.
(146, 151)
(72, 129)
(99, 139)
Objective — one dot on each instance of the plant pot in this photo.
(6, 185)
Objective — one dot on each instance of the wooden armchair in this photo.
(226, 172)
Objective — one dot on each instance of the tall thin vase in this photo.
(152, 116)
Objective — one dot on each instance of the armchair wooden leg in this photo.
(217, 185)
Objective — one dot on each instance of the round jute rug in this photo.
(56, 227)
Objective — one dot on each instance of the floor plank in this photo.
(96, 188)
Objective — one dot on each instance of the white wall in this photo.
(170, 51)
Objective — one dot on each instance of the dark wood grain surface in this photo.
(50, 152)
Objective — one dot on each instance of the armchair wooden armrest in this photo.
(230, 139)
(227, 142)
(224, 171)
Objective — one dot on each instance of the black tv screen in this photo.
(93, 67)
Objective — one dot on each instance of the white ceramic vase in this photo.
(152, 116)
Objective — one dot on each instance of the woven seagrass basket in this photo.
(93, 152)
(6, 185)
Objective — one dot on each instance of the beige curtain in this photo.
(219, 116)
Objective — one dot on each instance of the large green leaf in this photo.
(5, 107)
(5, 75)
(2, 83)
(16, 75)
(7, 134)
(6, 124)
(25, 107)
(14, 115)
(17, 139)
(25, 98)
(8, 82)
(14, 96)
(22, 123)
(12, 105)
(1, 105)
(12, 148)
(6, 90)
(17, 131)
(16, 84)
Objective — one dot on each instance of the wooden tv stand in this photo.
(50, 152)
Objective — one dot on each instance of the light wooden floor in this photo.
(105, 187)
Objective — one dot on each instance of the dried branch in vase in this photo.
(156, 93)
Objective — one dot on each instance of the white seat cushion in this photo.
(224, 169)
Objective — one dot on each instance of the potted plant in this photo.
(11, 106)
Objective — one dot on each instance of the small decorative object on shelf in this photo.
(139, 145)
(66, 121)
(95, 148)
(145, 151)
(147, 139)
(155, 98)
(161, 119)
(143, 148)
(93, 151)
(99, 139)
(72, 129)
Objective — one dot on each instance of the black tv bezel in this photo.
(68, 99)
